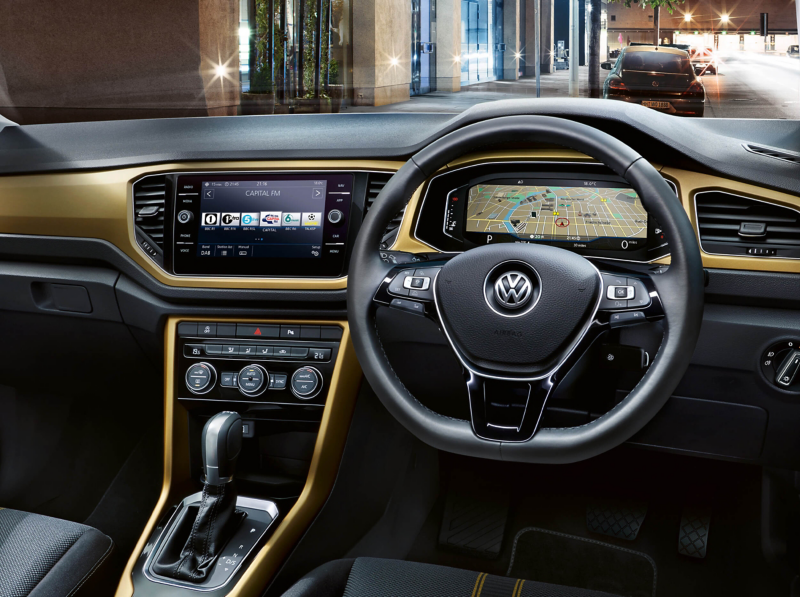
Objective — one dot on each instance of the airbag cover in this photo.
(519, 342)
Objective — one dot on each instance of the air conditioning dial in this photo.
(306, 383)
(253, 380)
(200, 378)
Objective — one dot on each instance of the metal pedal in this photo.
(621, 520)
(693, 537)
(475, 517)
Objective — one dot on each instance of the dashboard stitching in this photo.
(397, 377)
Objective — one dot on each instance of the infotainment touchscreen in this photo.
(262, 225)
(591, 214)
(262, 218)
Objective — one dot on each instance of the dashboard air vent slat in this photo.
(720, 220)
(375, 184)
(149, 199)
(771, 152)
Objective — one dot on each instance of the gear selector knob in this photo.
(221, 444)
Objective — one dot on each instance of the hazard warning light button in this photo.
(257, 331)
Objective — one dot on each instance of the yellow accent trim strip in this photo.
(478, 584)
(331, 438)
(519, 591)
(480, 588)
(514, 592)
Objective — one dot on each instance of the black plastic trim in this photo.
(705, 145)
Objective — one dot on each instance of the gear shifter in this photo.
(200, 532)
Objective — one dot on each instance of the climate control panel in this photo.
(250, 362)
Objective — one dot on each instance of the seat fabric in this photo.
(372, 577)
(48, 557)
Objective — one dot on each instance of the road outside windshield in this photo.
(64, 61)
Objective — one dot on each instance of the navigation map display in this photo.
(557, 213)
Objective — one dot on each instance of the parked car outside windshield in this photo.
(659, 78)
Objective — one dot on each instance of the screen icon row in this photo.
(265, 219)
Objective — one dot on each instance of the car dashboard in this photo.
(227, 263)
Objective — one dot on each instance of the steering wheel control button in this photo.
(640, 298)
(619, 293)
(398, 285)
(788, 369)
(408, 306)
(200, 378)
(252, 380)
(185, 217)
(277, 381)
(416, 282)
(306, 383)
(335, 216)
(609, 299)
(228, 379)
(626, 318)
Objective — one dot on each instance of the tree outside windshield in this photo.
(73, 60)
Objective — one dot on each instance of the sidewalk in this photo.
(553, 85)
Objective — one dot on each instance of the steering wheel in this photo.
(519, 316)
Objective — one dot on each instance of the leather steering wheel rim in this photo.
(680, 290)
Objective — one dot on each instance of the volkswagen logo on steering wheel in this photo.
(513, 290)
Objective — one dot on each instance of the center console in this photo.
(252, 446)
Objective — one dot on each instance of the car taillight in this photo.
(695, 88)
(616, 84)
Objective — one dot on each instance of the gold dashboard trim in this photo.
(177, 481)
(100, 205)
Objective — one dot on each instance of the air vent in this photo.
(375, 184)
(771, 152)
(149, 197)
(735, 225)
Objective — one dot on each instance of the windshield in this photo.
(658, 62)
(72, 61)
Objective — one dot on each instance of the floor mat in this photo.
(557, 558)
